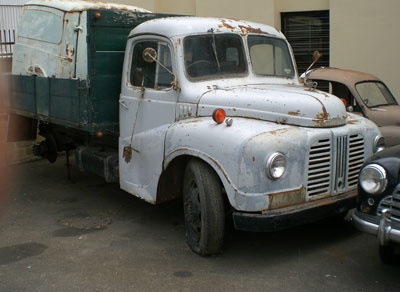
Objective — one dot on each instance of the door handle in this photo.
(121, 102)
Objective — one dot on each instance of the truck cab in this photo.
(211, 110)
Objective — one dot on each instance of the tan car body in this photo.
(343, 84)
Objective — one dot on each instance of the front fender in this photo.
(224, 149)
(391, 135)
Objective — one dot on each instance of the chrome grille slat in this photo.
(392, 204)
(319, 168)
(334, 165)
(341, 165)
(356, 158)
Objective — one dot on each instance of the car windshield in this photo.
(270, 56)
(375, 93)
(213, 55)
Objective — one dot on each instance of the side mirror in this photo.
(149, 55)
(316, 56)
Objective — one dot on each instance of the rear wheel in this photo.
(203, 208)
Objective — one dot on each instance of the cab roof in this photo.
(80, 5)
(174, 26)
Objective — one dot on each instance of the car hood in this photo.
(284, 104)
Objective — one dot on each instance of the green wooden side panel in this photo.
(60, 101)
(89, 105)
(22, 91)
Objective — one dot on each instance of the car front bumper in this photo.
(283, 218)
(378, 226)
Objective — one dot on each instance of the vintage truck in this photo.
(208, 109)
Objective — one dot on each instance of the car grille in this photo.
(319, 168)
(392, 204)
(340, 162)
(356, 158)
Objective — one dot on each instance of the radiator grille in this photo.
(319, 168)
(392, 204)
(356, 158)
(341, 165)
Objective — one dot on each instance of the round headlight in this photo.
(276, 165)
(373, 179)
(379, 144)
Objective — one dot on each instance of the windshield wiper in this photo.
(215, 48)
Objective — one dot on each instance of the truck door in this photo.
(147, 109)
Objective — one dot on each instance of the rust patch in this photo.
(286, 199)
(127, 154)
(278, 132)
(352, 122)
(38, 71)
(295, 113)
(221, 169)
(193, 122)
(320, 118)
(82, 6)
(248, 29)
(226, 25)
(178, 42)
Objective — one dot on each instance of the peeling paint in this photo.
(295, 113)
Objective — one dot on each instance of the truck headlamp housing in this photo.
(379, 144)
(276, 165)
(373, 179)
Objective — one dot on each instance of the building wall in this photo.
(253, 10)
(296, 5)
(365, 37)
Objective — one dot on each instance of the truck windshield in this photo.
(270, 56)
(213, 55)
(375, 94)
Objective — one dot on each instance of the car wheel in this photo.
(203, 209)
(387, 253)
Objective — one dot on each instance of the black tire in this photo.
(203, 206)
(387, 253)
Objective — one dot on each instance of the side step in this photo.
(97, 161)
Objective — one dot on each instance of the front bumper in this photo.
(287, 217)
(380, 228)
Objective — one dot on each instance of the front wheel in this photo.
(203, 208)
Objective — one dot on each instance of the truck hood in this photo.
(284, 104)
(388, 115)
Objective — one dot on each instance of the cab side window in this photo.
(151, 75)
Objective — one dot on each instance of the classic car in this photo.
(363, 94)
(378, 203)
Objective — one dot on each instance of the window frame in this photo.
(216, 77)
(53, 12)
(294, 69)
(158, 40)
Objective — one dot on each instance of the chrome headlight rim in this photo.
(382, 180)
(379, 143)
(272, 159)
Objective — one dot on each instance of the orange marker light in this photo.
(219, 115)
(98, 15)
(344, 101)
